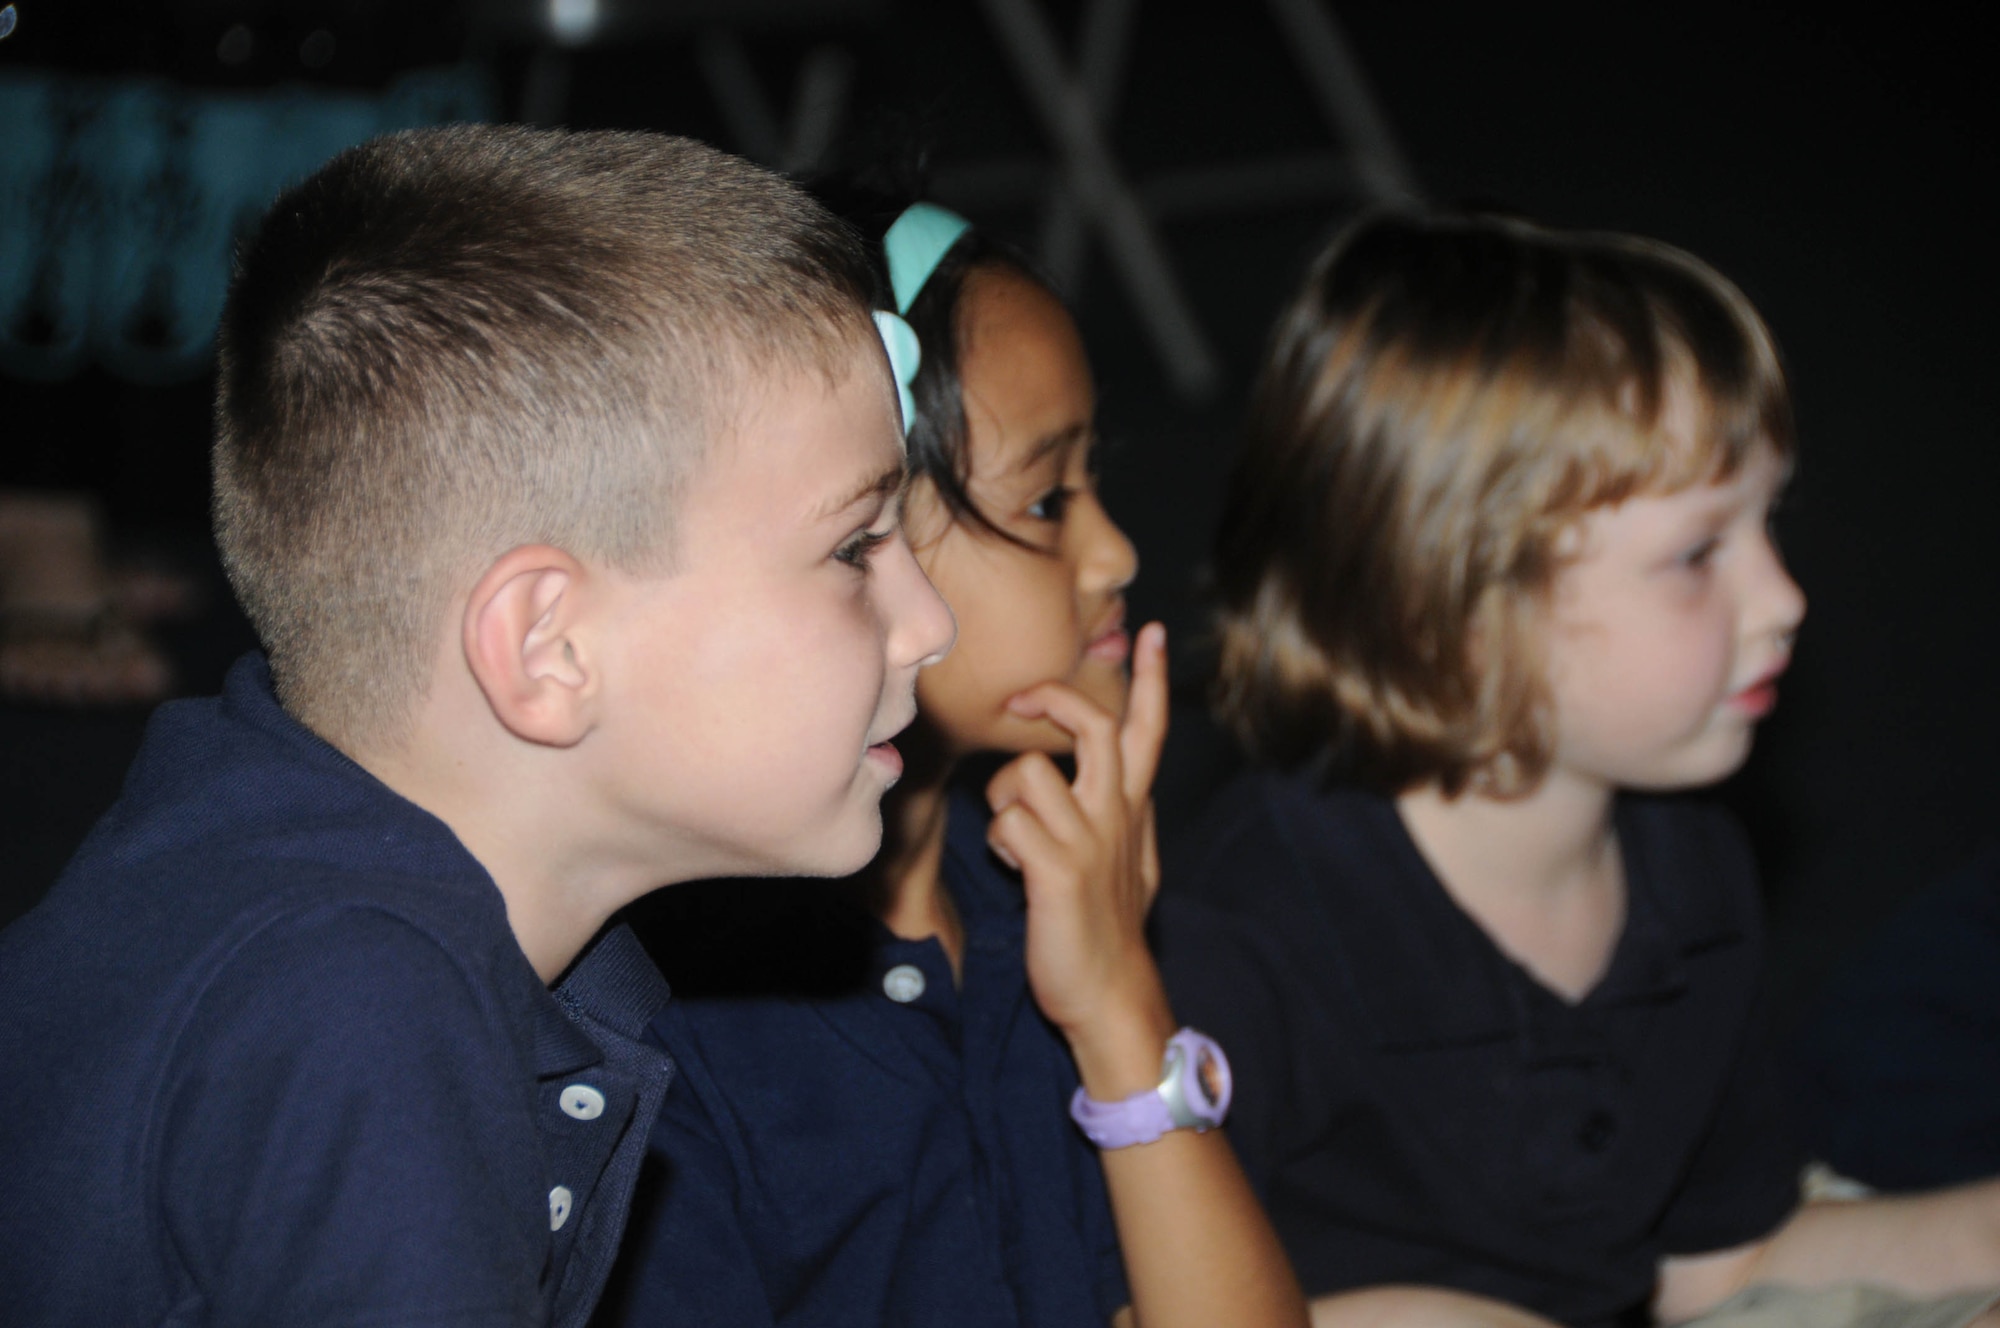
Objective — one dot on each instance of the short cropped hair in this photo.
(451, 342)
(1444, 399)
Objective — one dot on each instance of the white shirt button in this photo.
(560, 1200)
(903, 983)
(582, 1102)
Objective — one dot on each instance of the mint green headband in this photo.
(915, 243)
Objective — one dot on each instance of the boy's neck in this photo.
(906, 883)
(518, 810)
(1541, 874)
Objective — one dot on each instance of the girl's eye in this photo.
(1702, 554)
(860, 546)
(1052, 506)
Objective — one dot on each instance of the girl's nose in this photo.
(1109, 561)
(1781, 603)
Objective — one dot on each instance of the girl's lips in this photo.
(1112, 642)
(1114, 646)
(1757, 700)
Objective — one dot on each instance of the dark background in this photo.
(1836, 167)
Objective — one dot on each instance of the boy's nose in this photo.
(924, 629)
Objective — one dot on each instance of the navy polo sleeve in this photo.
(347, 1136)
(1222, 981)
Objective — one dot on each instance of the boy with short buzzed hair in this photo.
(558, 475)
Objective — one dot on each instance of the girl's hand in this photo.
(1088, 855)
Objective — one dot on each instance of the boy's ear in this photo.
(524, 647)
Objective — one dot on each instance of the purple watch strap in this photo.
(1193, 1093)
(1138, 1119)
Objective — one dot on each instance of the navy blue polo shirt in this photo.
(854, 1140)
(272, 1055)
(1413, 1106)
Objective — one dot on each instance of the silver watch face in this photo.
(1208, 1074)
(1197, 1092)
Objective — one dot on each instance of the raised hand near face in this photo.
(1087, 852)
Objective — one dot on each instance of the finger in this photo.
(1149, 855)
(1019, 839)
(1144, 731)
(1094, 729)
(1032, 782)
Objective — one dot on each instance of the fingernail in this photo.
(1020, 705)
(1000, 852)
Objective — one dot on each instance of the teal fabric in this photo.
(121, 201)
(914, 243)
(899, 339)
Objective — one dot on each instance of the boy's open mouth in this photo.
(884, 754)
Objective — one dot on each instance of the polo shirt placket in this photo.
(600, 1088)
(1414, 1105)
(890, 1146)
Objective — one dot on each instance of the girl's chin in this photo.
(1096, 675)
(1103, 682)
(1000, 730)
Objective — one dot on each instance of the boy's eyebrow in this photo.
(884, 485)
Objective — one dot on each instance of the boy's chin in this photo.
(849, 854)
(833, 851)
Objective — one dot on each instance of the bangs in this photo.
(1675, 392)
(1444, 400)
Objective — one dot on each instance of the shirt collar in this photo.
(1417, 971)
(613, 985)
(613, 988)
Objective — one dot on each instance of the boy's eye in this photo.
(1053, 505)
(858, 547)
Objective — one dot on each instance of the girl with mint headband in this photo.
(950, 1090)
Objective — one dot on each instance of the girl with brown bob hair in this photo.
(1443, 400)
(1495, 574)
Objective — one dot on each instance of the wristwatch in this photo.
(1193, 1095)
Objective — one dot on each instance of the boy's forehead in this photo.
(804, 444)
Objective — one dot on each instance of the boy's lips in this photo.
(883, 752)
(885, 755)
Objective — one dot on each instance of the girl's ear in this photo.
(527, 648)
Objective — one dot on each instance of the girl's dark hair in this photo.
(937, 437)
